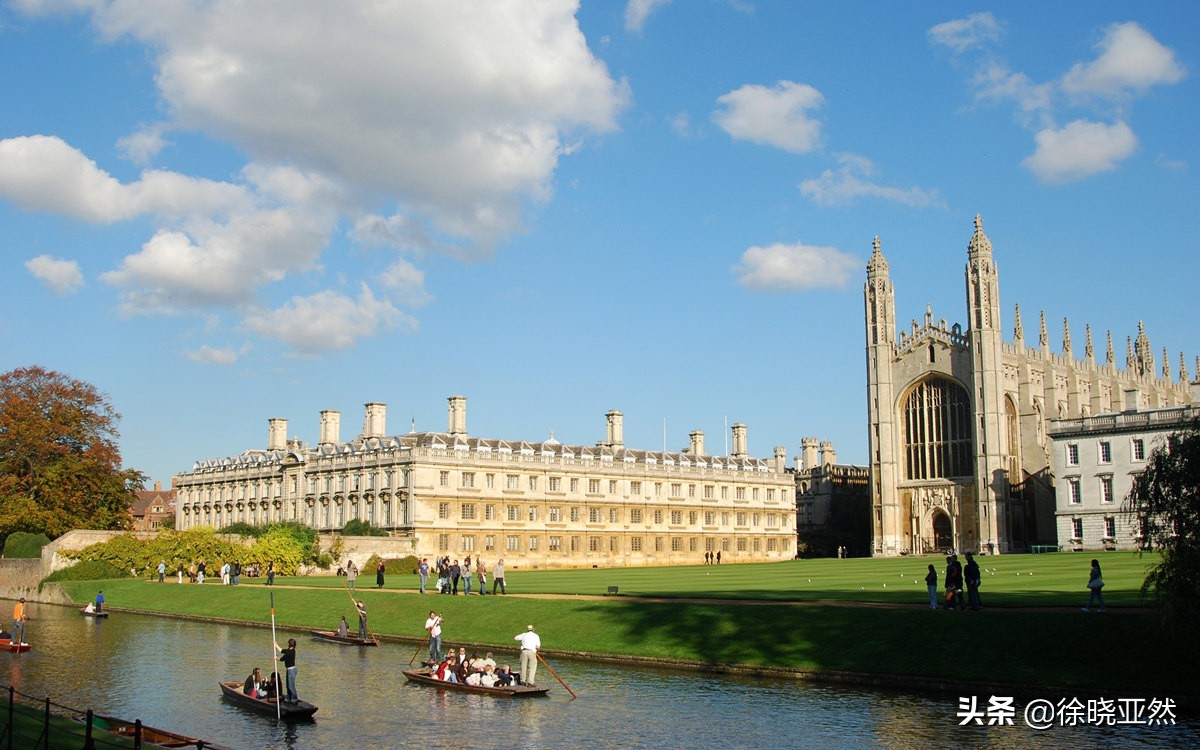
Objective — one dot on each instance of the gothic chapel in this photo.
(959, 454)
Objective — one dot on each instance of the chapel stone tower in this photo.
(880, 300)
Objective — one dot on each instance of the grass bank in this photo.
(822, 616)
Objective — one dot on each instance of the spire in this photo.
(1144, 357)
(1109, 357)
(1018, 330)
(877, 265)
(1066, 337)
(980, 245)
(1183, 378)
(1129, 359)
(1166, 371)
(1043, 337)
(1088, 351)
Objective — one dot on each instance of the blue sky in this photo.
(222, 212)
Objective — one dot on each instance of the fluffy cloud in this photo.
(328, 321)
(775, 116)
(849, 183)
(784, 268)
(1079, 150)
(962, 34)
(637, 11)
(1130, 60)
(62, 276)
(209, 355)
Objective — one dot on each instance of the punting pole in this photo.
(355, 602)
(275, 658)
(547, 666)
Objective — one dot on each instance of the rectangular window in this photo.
(468, 543)
(692, 517)
(555, 483)
(512, 543)
(444, 478)
(443, 510)
(710, 518)
(635, 544)
(593, 544)
(593, 515)
(574, 515)
(1139, 449)
(691, 490)
(554, 514)
(658, 516)
(724, 493)
(574, 485)
(533, 484)
(533, 513)
(556, 544)
(489, 542)
(658, 544)
(1072, 454)
(708, 492)
(468, 479)
(1105, 452)
(512, 482)
(1073, 491)
(1077, 528)
(741, 544)
(533, 543)
(658, 489)
(614, 515)
(676, 544)
(489, 512)
(676, 517)
(1106, 490)
(612, 486)
(443, 542)
(594, 486)
(724, 519)
(741, 493)
(574, 544)
(635, 516)
(635, 488)
(490, 481)
(770, 495)
(676, 489)
(771, 544)
(513, 512)
(613, 545)
(741, 519)
(1110, 527)
(467, 510)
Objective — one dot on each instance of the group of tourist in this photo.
(956, 576)
(457, 667)
(451, 574)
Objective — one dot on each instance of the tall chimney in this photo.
(458, 415)
(697, 437)
(616, 430)
(331, 422)
(808, 453)
(828, 454)
(276, 434)
(780, 459)
(739, 440)
(375, 423)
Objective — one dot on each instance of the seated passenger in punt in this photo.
(487, 678)
(343, 628)
(446, 670)
(505, 677)
(254, 684)
(269, 686)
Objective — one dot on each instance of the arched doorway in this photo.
(942, 532)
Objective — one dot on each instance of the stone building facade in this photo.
(536, 504)
(960, 456)
(832, 502)
(1096, 459)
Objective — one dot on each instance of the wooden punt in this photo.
(92, 613)
(150, 736)
(345, 640)
(6, 644)
(426, 677)
(300, 710)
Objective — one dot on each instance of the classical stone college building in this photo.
(960, 456)
(535, 504)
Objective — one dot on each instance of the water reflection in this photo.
(165, 672)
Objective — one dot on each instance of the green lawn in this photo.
(1016, 641)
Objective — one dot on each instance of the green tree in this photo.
(1165, 505)
(60, 467)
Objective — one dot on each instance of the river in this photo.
(165, 672)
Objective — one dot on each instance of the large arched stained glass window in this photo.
(937, 431)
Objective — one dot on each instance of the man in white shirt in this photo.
(434, 626)
(530, 643)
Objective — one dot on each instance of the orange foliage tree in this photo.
(60, 467)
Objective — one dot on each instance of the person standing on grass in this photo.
(271, 573)
(423, 573)
(498, 576)
(1095, 586)
(931, 584)
(351, 574)
(162, 570)
(379, 575)
(972, 577)
(466, 576)
(455, 576)
(481, 571)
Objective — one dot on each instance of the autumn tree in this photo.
(60, 467)
(1165, 505)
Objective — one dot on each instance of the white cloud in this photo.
(848, 184)
(965, 33)
(637, 11)
(62, 276)
(772, 116)
(681, 124)
(1166, 162)
(784, 268)
(141, 147)
(406, 283)
(997, 83)
(328, 321)
(1079, 150)
(209, 355)
(1130, 60)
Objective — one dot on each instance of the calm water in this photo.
(165, 672)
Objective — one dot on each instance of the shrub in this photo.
(391, 565)
(359, 527)
(87, 570)
(22, 544)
